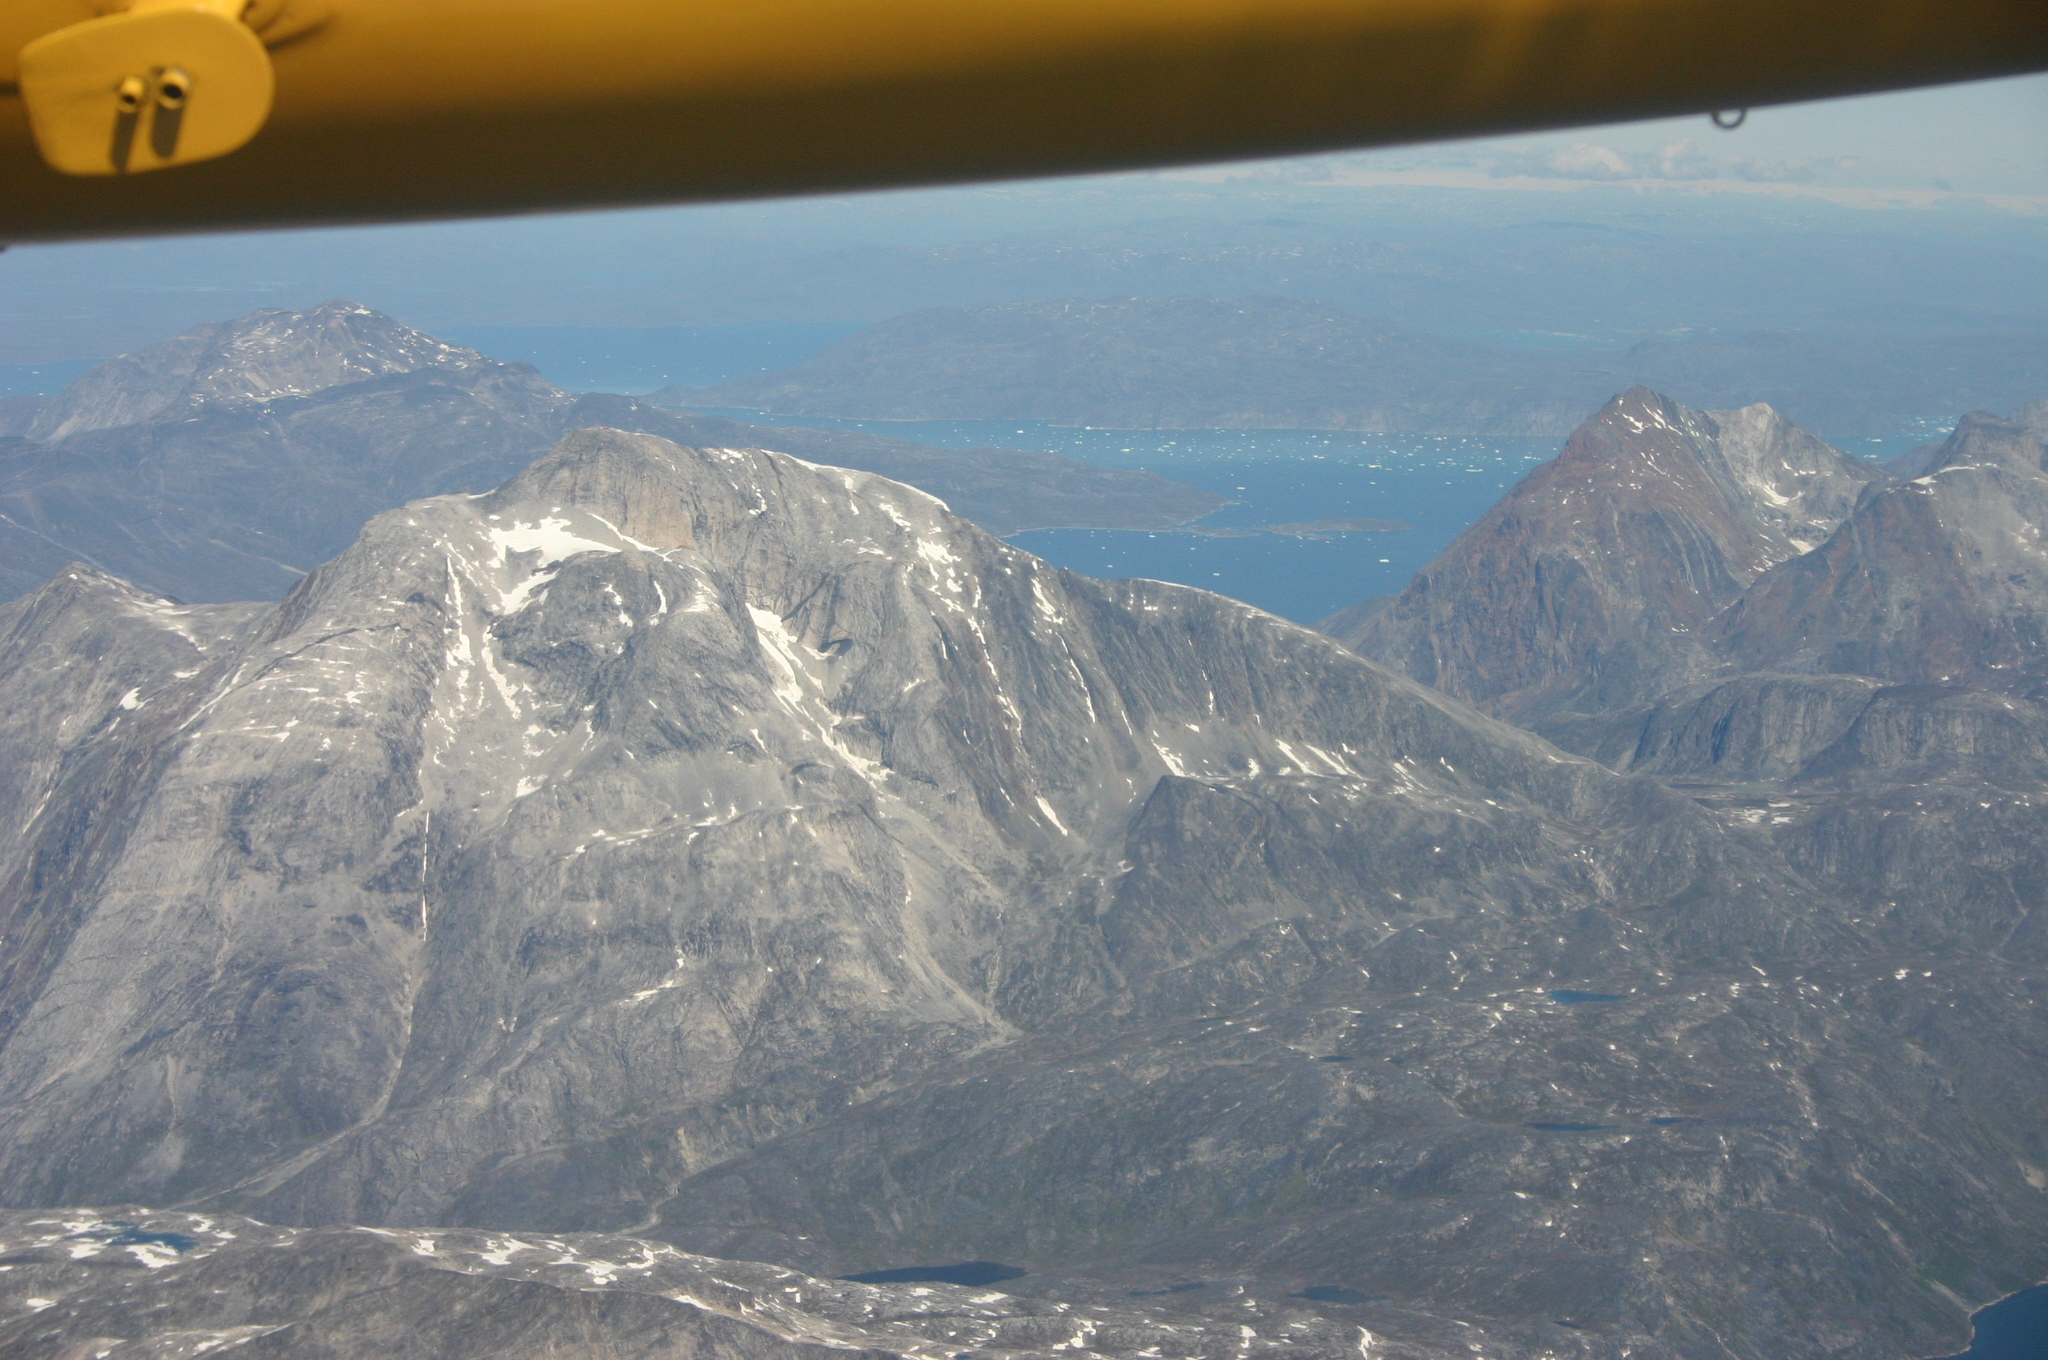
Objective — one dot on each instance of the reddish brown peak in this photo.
(1637, 426)
(1643, 411)
(1983, 440)
(1636, 412)
(1642, 401)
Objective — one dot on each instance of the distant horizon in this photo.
(1911, 211)
(1980, 143)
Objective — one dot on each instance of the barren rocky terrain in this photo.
(601, 914)
(752, 857)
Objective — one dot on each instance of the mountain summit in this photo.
(1594, 579)
(779, 776)
(276, 353)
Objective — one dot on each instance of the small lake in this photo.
(974, 1274)
(2014, 1328)
(1438, 485)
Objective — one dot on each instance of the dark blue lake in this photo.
(971, 1273)
(2014, 1328)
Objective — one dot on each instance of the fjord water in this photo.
(2014, 1328)
(1438, 485)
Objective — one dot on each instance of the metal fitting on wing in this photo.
(162, 83)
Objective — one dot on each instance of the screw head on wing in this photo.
(165, 83)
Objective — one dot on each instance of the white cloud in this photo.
(1680, 160)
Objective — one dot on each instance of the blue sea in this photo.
(1437, 485)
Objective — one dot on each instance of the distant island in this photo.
(1285, 363)
(1168, 363)
(1322, 528)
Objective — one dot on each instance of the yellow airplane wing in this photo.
(161, 115)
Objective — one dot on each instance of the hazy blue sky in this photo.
(1967, 164)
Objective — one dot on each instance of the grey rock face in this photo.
(1595, 581)
(227, 463)
(932, 713)
(1873, 701)
(1915, 462)
(752, 855)
(1940, 579)
(1889, 727)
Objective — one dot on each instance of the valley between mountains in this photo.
(595, 915)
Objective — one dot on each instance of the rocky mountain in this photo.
(274, 353)
(1596, 580)
(752, 857)
(1175, 362)
(1937, 580)
(229, 461)
(1913, 461)
(1873, 705)
(1905, 648)
(1916, 461)
(1278, 362)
